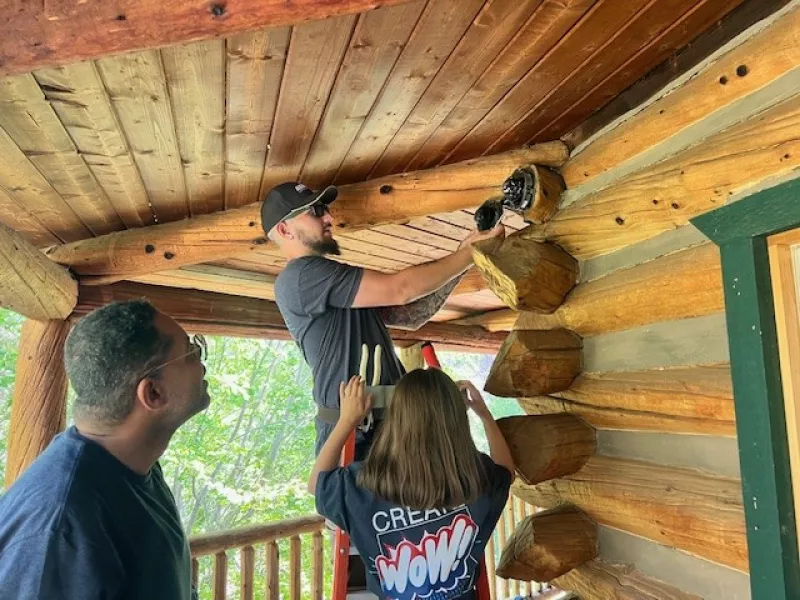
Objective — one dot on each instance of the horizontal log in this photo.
(220, 541)
(695, 400)
(212, 278)
(33, 285)
(563, 445)
(548, 186)
(215, 237)
(691, 511)
(768, 53)
(548, 544)
(534, 363)
(600, 580)
(221, 314)
(685, 284)
(42, 35)
(668, 194)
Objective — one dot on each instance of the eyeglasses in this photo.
(197, 347)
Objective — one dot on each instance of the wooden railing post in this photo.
(491, 575)
(294, 567)
(247, 556)
(195, 573)
(273, 571)
(38, 410)
(317, 567)
(501, 541)
(220, 575)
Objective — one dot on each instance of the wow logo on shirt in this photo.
(432, 565)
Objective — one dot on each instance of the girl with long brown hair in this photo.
(423, 504)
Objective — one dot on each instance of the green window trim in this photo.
(741, 230)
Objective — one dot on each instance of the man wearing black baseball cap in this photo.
(332, 309)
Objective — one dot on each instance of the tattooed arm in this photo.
(414, 315)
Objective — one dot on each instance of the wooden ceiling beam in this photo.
(223, 314)
(214, 237)
(32, 285)
(48, 34)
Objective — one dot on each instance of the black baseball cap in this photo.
(290, 199)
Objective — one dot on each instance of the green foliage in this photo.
(246, 459)
(10, 324)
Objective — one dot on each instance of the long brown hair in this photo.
(423, 456)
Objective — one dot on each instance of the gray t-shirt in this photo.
(315, 295)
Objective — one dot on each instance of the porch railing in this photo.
(263, 541)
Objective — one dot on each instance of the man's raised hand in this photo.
(498, 233)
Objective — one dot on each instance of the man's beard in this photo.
(322, 247)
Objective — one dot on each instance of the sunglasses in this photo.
(317, 210)
(198, 347)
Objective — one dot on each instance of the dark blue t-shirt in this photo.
(410, 554)
(80, 525)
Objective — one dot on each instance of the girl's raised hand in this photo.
(354, 403)
(473, 399)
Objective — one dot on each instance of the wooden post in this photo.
(247, 555)
(563, 443)
(273, 571)
(317, 570)
(549, 544)
(38, 410)
(32, 284)
(547, 190)
(532, 363)
(294, 567)
(526, 274)
(220, 576)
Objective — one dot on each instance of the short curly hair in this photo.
(107, 353)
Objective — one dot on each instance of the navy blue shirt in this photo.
(78, 524)
(409, 554)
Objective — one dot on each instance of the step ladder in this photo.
(349, 575)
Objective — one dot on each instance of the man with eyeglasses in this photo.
(332, 309)
(92, 517)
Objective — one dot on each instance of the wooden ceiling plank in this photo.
(699, 18)
(30, 120)
(138, 90)
(666, 195)
(17, 217)
(21, 181)
(487, 36)
(641, 37)
(548, 24)
(437, 32)
(603, 23)
(81, 102)
(315, 54)
(404, 245)
(403, 259)
(435, 225)
(254, 74)
(195, 75)
(43, 34)
(406, 232)
(377, 42)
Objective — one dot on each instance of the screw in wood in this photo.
(385, 189)
(217, 10)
